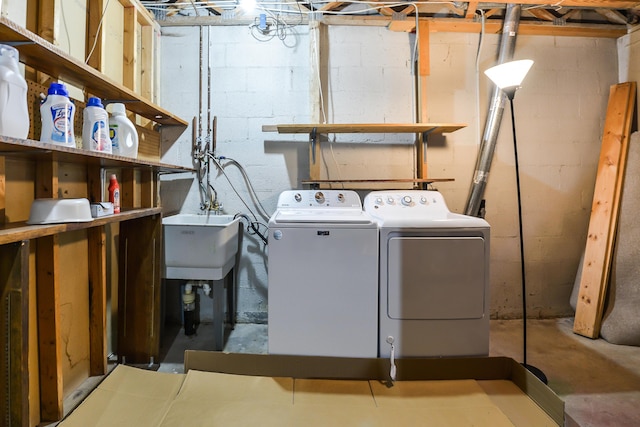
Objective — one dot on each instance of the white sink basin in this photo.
(199, 247)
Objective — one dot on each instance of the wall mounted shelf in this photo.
(422, 130)
(365, 128)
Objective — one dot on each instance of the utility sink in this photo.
(199, 247)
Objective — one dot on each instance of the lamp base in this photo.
(537, 372)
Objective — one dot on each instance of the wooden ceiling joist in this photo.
(613, 16)
(543, 14)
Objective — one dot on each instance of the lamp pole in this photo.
(508, 76)
(510, 92)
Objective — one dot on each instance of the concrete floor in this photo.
(599, 382)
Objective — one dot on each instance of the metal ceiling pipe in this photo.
(494, 117)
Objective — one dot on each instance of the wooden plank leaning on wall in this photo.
(604, 212)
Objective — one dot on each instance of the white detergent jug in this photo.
(57, 113)
(14, 114)
(123, 134)
(95, 128)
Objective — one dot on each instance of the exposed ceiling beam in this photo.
(613, 16)
(435, 25)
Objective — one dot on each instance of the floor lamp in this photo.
(508, 76)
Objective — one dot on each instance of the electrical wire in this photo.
(95, 40)
(66, 27)
(268, 6)
(478, 52)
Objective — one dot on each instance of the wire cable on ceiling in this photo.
(268, 6)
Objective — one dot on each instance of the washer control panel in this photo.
(406, 203)
(309, 199)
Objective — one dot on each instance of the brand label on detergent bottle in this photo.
(61, 116)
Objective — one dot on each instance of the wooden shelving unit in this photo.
(422, 131)
(39, 263)
(12, 147)
(38, 53)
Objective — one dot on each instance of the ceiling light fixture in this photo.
(248, 6)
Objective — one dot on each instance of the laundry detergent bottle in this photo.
(56, 113)
(95, 128)
(123, 134)
(14, 113)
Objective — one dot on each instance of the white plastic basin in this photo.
(199, 247)
(54, 211)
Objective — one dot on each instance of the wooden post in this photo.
(14, 333)
(96, 237)
(50, 351)
(317, 90)
(422, 72)
(129, 48)
(47, 295)
(95, 10)
(139, 289)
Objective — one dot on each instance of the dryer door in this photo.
(436, 278)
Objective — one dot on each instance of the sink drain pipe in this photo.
(475, 203)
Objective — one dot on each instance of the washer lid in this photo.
(316, 216)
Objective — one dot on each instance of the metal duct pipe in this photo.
(494, 117)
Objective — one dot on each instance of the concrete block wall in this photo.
(559, 112)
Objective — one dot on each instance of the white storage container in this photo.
(95, 128)
(124, 137)
(57, 112)
(14, 114)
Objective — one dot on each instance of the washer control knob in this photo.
(423, 200)
(390, 200)
(341, 197)
(379, 201)
(297, 197)
(319, 197)
(406, 200)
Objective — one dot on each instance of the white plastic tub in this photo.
(199, 247)
(54, 211)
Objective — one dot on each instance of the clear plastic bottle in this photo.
(57, 112)
(14, 113)
(114, 193)
(123, 134)
(95, 129)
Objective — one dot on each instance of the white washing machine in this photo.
(434, 276)
(323, 275)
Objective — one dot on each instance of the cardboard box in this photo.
(517, 393)
(275, 390)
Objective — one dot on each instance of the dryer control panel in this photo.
(406, 203)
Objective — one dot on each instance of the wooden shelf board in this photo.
(26, 147)
(15, 232)
(44, 56)
(417, 180)
(365, 128)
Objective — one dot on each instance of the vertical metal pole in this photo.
(494, 117)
